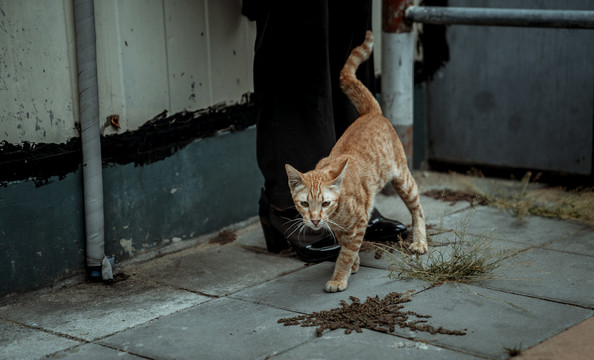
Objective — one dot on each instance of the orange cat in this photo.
(338, 194)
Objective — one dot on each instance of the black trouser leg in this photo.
(300, 50)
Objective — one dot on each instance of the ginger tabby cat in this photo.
(338, 194)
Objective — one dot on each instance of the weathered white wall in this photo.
(152, 55)
(38, 90)
(175, 55)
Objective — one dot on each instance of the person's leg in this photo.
(293, 92)
(295, 123)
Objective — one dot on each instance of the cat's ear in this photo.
(341, 171)
(295, 177)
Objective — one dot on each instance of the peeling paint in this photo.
(127, 246)
(156, 140)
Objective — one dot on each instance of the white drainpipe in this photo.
(397, 71)
(100, 267)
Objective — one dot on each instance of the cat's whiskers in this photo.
(327, 228)
(295, 224)
(336, 224)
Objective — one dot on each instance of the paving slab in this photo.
(91, 311)
(435, 180)
(368, 345)
(222, 328)
(494, 320)
(303, 291)
(19, 342)
(442, 246)
(548, 274)
(581, 242)
(531, 230)
(218, 270)
(92, 352)
(252, 235)
(393, 207)
(368, 259)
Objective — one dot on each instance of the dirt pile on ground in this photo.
(382, 315)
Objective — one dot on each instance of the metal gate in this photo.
(512, 95)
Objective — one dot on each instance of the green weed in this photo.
(468, 257)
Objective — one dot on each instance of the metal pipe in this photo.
(397, 71)
(571, 19)
(84, 16)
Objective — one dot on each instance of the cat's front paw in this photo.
(418, 247)
(334, 286)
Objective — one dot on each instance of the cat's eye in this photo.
(304, 204)
(326, 204)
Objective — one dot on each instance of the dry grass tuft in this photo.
(551, 202)
(469, 257)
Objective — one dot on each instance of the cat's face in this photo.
(316, 201)
(315, 195)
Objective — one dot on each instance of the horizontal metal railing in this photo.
(572, 19)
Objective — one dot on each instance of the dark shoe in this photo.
(310, 245)
(275, 242)
(381, 229)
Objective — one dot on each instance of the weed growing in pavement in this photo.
(556, 202)
(469, 257)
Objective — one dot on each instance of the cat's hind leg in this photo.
(407, 188)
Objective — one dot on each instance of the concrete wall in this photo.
(175, 55)
(167, 176)
(38, 92)
(211, 183)
(152, 55)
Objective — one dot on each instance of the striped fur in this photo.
(338, 194)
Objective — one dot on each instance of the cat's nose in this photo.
(315, 222)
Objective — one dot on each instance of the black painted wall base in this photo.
(169, 181)
(210, 183)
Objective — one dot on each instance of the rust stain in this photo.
(393, 16)
(114, 121)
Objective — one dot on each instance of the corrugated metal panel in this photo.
(515, 97)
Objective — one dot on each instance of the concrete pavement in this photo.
(223, 301)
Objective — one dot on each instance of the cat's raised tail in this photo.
(360, 96)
